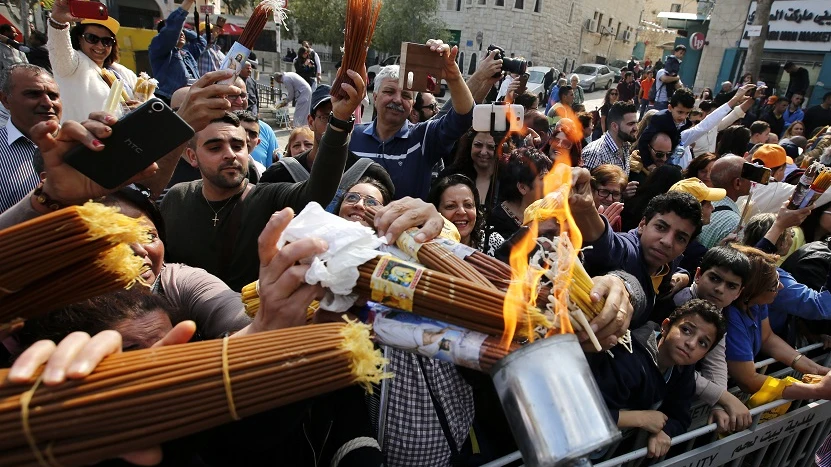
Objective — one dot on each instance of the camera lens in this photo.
(157, 106)
(514, 65)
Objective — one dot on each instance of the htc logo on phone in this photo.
(135, 147)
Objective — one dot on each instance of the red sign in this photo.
(697, 41)
(206, 9)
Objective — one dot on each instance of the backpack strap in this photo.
(351, 176)
(295, 168)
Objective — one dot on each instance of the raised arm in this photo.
(64, 59)
(166, 40)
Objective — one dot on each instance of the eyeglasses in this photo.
(613, 94)
(603, 193)
(93, 39)
(660, 154)
(434, 107)
(353, 198)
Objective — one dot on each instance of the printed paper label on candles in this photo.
(406, 242)
(234, 60)
(394, 281)
(424, 336)
(460, 250)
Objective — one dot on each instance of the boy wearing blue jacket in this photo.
(653, 386)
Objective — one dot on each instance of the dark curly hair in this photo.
(442, 184)
(78, 31)
(707, 311)
(683, 205)
(522, 165)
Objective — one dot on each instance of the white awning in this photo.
(682, 16)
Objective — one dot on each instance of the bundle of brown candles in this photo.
(438, 258)
(445, 298)
(257, 21)
(361, 17)
(80, 251)
(136, 400)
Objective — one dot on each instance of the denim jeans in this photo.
(643, 107)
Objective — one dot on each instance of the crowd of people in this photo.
(702, 264)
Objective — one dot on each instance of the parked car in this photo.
(535, 80)
(617, 66)
(372, 71)
(592, 76)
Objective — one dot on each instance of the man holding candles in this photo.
(409, 151)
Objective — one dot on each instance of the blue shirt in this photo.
(790, 117)
(264, 152)
(409, 156)
(172, 66)
(798, 300)
(744, 333)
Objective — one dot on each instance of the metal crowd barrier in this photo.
(269, 96)
(789, 440)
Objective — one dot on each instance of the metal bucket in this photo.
(553, 405)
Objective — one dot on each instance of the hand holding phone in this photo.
(133, 145)
(498, 117)
(87, 9)
(755, 173)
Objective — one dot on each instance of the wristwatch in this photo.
(344, 125)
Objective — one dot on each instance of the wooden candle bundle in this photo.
(495, 271)
(361, 17)
(116, 268)
(456, 301)
(139, 399)
(257, 21)
(64, 249)
(438, 258)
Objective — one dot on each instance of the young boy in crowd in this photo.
(651, 252)
(719, 280)
(653, 387)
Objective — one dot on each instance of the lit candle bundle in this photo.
(135, 400)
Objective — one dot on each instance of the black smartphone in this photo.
(755, 173)
(142, 137)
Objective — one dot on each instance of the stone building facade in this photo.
(546, 32)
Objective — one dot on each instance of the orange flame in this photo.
(524, 287)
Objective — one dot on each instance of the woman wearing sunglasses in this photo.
(79, 54)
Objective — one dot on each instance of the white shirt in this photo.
(503, 90)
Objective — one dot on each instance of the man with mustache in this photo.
(31, 96)
(406, 150)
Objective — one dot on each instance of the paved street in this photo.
(593, 101)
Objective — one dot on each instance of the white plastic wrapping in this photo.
(350, 245)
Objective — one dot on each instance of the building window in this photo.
(481, 2)
(458, 5)
(618, 33)
(472, 69)
(537, 6)
(460, 61)
(520, 4)
(500, 2)
(599, 22)
(675, 8)
(571, 13)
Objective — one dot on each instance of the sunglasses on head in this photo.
(93, 39)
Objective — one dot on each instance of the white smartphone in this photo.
(498, 117)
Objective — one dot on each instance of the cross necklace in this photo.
(216, 212)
